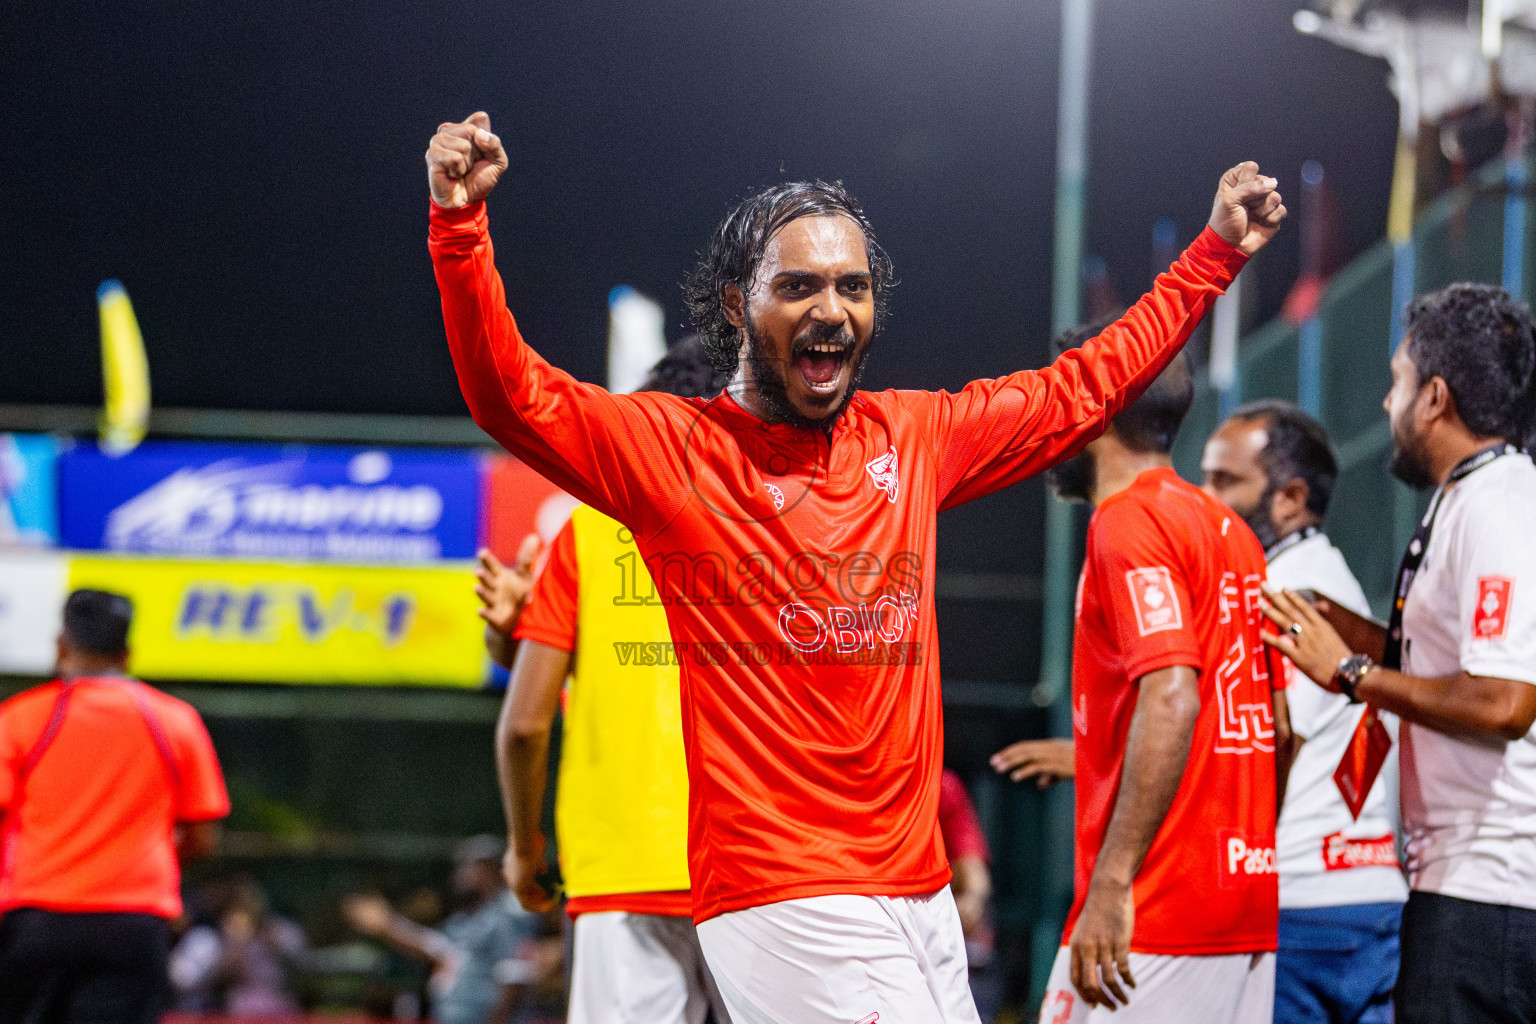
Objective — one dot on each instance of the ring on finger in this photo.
(1295, 630)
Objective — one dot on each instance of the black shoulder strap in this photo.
(61, 708)
(156, 731)
(50, 731)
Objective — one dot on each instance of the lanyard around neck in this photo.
(1414, 556)
(1289, 541)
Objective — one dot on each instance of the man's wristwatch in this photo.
(1349, 673)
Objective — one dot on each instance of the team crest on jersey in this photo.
(883, 472)
(1490, 619)
(1156, 604)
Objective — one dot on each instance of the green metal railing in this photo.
(1460, 237)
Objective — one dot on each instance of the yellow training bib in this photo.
(621, 810)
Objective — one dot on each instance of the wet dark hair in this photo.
(685, 371)
(1296, 447)
(97, 621)
(737, 248)
(1477, 338)
(1150, 423)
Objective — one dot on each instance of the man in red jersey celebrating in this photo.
(1177, 891)
(789, 526)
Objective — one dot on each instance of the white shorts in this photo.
(639, 969)
(843, 960)
(1234, 989)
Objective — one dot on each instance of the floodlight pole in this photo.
(1309, 333)
(1054, 689)
(1223, 365)
(1514, 200)
(1066, 310)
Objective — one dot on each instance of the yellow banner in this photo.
(124, 371)
(280, 623)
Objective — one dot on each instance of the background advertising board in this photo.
(298, 623)
(33, 585)
(362, 505)
(29, 511)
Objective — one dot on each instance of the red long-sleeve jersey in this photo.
(797, 565)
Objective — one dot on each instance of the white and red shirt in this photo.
(1329, 858)
(797, 565)
(1172, 577)
(1469, 805)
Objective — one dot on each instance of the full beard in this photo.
(1073, 480)
(1260, 520)
(1409, 463)
(767, 375)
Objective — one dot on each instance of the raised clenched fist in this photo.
(1248, 208)
(464, 161)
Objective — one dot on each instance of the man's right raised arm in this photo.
(609, 451)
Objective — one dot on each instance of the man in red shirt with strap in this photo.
(789, 526)
(1177, 895)
(105, 786)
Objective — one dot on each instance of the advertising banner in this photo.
(254, 501)
(33, 585)
(29, 511)
(296, 623)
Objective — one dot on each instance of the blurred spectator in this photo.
(105, 785)
(970, 862)
(484, 957)
(239, 962)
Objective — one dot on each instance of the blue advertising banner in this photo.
(359, 505)
(29, 511)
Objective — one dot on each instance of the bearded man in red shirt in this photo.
(1177, 896)
(788, 524)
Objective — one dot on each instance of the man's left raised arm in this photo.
(994, 433)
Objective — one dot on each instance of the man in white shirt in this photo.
(1341, 890)
(1459, 657)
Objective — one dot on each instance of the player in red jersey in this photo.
(789, 526)
(1177, 892)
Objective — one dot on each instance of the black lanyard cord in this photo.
(1289, 541)
(1392, 657)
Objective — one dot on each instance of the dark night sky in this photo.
(253, 171)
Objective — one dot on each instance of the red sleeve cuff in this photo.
(1134, 670)
(468, 221)
(547, 637)
(1215, 257)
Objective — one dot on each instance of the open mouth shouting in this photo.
(822, 362)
